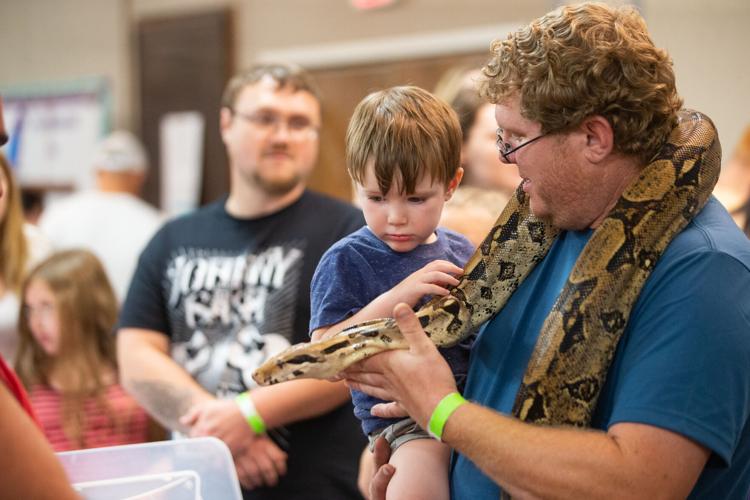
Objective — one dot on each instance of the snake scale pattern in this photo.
(575, 347)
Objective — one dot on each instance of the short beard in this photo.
(276, 187)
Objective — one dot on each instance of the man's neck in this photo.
(622, 172)
(245, 202)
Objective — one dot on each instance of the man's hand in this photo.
(417, 378)
(261, 464)
(220, 418)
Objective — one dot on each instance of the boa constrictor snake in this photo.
(573, 352)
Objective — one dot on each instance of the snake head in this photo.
(326, 358)
(295, 362)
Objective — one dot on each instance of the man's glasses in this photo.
(506, 149)
(297, 126)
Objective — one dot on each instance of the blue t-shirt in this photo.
(357, 269)
(683, 363)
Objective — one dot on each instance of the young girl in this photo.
(66, 356)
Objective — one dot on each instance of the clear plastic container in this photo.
(183, 469)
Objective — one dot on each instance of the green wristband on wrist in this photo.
(247, 408)
(442, 412)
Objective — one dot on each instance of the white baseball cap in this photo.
(120, 151)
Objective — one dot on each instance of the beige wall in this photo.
(48, 41)
(710, 45)
(54, 40)
(274, 24)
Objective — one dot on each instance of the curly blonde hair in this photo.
(584, 60)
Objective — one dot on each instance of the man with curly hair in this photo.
(584, 100)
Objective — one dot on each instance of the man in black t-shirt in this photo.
(218, 291)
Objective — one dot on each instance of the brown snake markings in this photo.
(575, 347)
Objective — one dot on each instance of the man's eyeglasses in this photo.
(297, 126)
(506, 149)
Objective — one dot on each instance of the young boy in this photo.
(403, 153)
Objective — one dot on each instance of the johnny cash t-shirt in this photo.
(232, 292)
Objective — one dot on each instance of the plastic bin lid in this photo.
(183, 469)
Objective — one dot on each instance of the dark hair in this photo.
(285, 75)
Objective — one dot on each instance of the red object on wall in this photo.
(371, 4)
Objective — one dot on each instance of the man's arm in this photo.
(167, 392)
(277, 405)
(630, 460)
(159, 384)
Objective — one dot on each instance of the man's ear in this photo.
(225, 119)
(600, 138)
(453, 184)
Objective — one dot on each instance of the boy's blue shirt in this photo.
(360, 267)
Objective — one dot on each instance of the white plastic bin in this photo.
(183, 469)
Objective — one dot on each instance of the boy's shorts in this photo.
(399, 433)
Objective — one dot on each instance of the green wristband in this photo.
(247, 408)
(442, 412)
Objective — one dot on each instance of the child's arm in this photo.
(432, 279)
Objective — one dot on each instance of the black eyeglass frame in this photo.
(260, 119)
(506, 150)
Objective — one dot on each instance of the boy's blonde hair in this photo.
(86, 310)
(406, 133)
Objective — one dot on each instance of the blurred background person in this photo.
(110, 220)
(733, 188)
(488, 183)
(21, 246)
(66, 356)
(26, 455)
(221, 289)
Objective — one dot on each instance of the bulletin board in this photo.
(54, 128)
